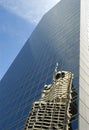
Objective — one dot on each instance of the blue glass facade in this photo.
(55, 39)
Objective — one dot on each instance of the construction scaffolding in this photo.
(52, 111)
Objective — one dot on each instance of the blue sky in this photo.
(18, 18)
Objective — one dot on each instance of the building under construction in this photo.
(52, 111)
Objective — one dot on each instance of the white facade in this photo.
(84, 67)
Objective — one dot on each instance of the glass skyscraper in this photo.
(61, 36)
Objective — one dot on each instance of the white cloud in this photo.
(31, 10)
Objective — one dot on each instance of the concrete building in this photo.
(53, 110)
(84, 67)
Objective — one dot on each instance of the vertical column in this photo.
(84, 67)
